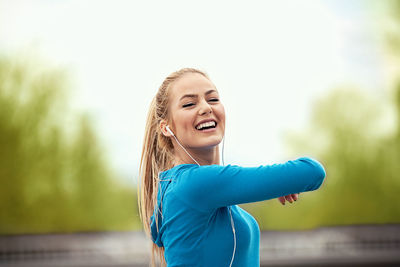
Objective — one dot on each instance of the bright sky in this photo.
(269, 59)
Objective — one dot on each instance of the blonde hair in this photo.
(157, 156)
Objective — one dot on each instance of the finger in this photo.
(295, 197)
(289, 198)
(282, 200)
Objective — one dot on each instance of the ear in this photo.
(163, 125)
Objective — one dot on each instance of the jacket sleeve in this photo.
(208, 187)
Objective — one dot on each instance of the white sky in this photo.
(269, 59)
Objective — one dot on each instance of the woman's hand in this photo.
(290, 198)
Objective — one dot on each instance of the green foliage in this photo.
(392, 32)
(53, 177)
(357, 138)
(351, 135)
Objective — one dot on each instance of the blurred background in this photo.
(310, 78)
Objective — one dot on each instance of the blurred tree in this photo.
(392, 28)
(350, 135)
(357, 138)
(53, 177)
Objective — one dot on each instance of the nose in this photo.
(205, 108)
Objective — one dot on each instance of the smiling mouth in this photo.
(206, 125)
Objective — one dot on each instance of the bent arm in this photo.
(214, 186)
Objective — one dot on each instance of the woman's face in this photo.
(197, 117)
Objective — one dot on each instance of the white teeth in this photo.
(206, 124)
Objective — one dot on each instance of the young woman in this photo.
(187, 200)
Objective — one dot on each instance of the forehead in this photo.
(190, 83)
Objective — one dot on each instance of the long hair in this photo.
(157, 156)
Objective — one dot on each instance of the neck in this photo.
(204, 156)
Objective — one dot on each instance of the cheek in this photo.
(220, 112)
(183, 120)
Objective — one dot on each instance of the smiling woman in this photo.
(188, 201)
(196, 117)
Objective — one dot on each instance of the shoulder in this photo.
(180, 183)
(176, 172)
(191, 178)
(173, 178)
(180, 171)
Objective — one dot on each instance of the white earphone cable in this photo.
(185, 150)
(229, 208)
(234, 237)
(223, 145)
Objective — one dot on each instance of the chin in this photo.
(215, 141)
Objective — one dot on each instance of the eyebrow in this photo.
(193, 95)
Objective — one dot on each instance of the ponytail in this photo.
(157, 156)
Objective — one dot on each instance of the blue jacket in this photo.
(194, 224)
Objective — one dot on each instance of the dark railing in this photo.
(364, 245)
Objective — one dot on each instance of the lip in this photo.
(206, 120)
(209, 130)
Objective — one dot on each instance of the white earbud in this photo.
(169, 130)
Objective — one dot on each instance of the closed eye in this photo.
(187, 105)
(214, 100)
